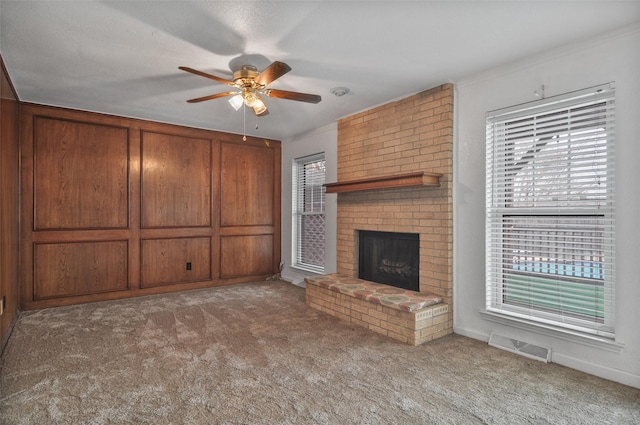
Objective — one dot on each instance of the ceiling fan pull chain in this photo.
(244, 123)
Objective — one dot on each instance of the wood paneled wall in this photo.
(9, 204)
(116, 207)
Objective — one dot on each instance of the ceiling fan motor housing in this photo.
(245, 78)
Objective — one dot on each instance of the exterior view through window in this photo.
(550, 211)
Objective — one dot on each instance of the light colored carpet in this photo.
(255, 354)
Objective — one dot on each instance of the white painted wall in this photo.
(612, 57)
(324, 139)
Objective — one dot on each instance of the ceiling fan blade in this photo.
(205, 75)
(212, 96)
(292, 95)
(272, 73)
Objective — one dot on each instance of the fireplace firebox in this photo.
(390, 258)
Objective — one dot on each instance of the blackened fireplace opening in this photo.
(390, 258)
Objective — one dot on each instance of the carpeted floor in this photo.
(254, 354)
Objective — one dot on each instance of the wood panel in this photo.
(71, 269)
(246, 255)
(176, 181)
(174, 195)
(247, 185)
(9, 205)
(81, 175)
(164, 261)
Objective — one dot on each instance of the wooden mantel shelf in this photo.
(421, 178)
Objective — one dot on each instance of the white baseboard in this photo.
(294, 278)
(471, 334)
(604, 372)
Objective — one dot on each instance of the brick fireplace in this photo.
(414, 134)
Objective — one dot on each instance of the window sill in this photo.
(594, 341)
(315, 270)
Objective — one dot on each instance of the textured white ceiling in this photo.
(122, 57)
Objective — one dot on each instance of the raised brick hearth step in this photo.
(407, 316)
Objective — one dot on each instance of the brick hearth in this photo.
(406, 316)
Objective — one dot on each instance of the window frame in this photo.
(299, 211)
(501, 206)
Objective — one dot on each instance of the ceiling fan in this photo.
(252, 84)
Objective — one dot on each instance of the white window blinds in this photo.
(550, 211)
(308, 213)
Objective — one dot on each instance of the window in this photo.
(308, 213)
(550, 211)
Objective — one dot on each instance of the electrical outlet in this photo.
(189, 266)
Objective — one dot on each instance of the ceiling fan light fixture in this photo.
(250, 98)
(236, 101)
(259, 107)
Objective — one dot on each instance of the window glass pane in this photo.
(312, 233)
(555, 263)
